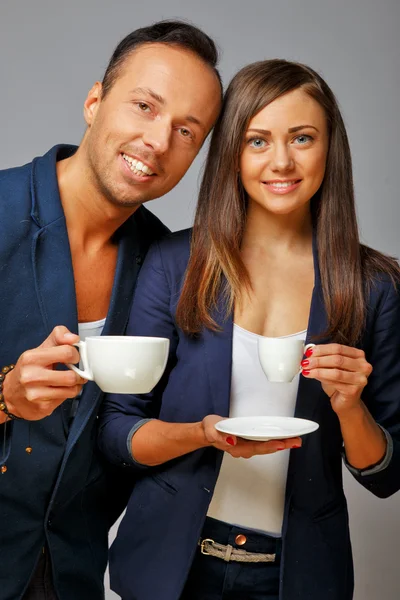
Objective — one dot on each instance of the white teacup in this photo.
(280, 358)
(123, 364)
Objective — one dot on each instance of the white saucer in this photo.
(262, 429)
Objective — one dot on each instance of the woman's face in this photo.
(283, 159)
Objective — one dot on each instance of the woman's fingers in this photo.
(241, 448)
(337, 376)
(247, 449)
(335, 350)
(339, 368)
(338, 362)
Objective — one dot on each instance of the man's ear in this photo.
(92, 103)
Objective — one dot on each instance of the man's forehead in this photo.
(157, 65)
(173, 78)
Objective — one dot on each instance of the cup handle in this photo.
(305, 350)
(86, 373)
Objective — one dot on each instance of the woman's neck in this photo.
(272, 233)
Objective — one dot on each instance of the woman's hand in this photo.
(343, 372)
(240, 448)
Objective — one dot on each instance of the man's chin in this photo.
(126, 203)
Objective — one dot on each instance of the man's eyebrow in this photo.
(162, 101)
(290, 130)
(150, 92)
(194, 120)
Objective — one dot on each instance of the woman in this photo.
(274, 252)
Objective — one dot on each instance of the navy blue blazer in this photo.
(58, 495)
(157, 538)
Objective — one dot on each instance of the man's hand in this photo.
(34, 389)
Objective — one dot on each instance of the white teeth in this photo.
(137, 166)
(282, 184)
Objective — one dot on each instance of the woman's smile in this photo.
(281, 186)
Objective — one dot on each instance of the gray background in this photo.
(52, 51)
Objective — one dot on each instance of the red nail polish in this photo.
(298, 446)
(305, 372)
(305, 363)
(230, 440)
(309, 352)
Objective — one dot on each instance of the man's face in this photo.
(143, 136)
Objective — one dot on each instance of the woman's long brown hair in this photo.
(347, 267)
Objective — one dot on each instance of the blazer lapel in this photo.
(310, 392)
(218, 357)
(51, 257)
(133, 244)
(310, 389)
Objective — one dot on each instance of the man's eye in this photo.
(185, 132)
(143, 106)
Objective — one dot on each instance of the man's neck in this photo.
(91, 219)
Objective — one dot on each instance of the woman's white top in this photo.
(251, 492)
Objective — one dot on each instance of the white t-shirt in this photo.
(251, 492)
(92, 328)
(85, 330)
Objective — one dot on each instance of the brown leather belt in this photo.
(229, 553)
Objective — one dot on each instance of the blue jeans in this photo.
(212, 578)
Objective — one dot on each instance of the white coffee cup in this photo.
(123, 364)
(280, 358)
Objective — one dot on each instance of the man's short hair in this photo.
(175, 33)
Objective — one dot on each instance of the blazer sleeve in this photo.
(382, 393)
(150, 316)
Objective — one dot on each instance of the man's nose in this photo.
(157, 136)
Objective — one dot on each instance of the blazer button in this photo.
(240, 539)
(139, 260)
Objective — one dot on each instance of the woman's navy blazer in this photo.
(158, 536)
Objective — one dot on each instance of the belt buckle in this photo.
(202, 546)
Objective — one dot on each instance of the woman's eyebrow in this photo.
(290, 130)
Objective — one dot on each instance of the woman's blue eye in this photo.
(257, 143)
(303, 139)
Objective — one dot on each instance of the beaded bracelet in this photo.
(3, 405)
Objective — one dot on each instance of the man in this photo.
(73, 237)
